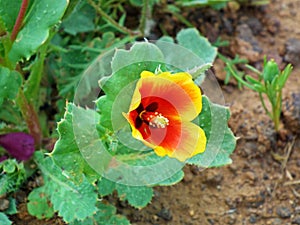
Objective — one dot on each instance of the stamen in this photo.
(155, 119)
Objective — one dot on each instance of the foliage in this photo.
(231, 65)
(270, 82)
(4, 219)
(13, 175)
(47, 50)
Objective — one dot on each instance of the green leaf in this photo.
(106, 214)
(126, 67)
(66, 153)
(80, 20)
(191, 39)
(140, 52)
(72, 201)
(42, 16)
(10, 82)
(137, 196)
(220, 139)
(105, 186)
(4, 219)
(177, 177)
(9, 11)
(284, 76)
(39, 204)
(12, 208)
(12, 176)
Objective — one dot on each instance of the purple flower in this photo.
(19, 145)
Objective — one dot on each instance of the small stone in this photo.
(214, 177)
(253, 219)
(4, 204)
(165, 214)
(296, 220)
(188, 177)
(211, 221)
(250, 175)
(254, 24)
(277, 221)
(283, 212)
(192, 212)
(245, 44)
(292, 53)
(297, 210)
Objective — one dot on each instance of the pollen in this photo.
(154, 119)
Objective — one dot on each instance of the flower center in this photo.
(154, 119)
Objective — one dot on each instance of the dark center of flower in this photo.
(154, 119)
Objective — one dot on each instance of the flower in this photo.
(19, 145)
(161, 111)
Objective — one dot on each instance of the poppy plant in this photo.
(161, 111)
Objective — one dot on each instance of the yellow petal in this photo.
(192, 142)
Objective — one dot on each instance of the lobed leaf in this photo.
(220, 140)
(191, 39)
(137, 196)
(39, 204)
(72, 201)
(106, 214)
(66, 153)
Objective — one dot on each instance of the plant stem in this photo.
(31, 117)
(239, 78)
(110, 20)
(277, 111)
(264, 106)
(144, 17)
(19, 20)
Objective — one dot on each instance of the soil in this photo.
(262, 185)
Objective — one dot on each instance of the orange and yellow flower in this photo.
(161, 112)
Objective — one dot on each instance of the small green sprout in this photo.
(270, 82)
(231, 65)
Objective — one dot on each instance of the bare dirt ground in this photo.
(262, 185)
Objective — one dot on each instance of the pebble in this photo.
(4, 204)
(283, 212)
(291, 111)
(277, 221)
(165, 213)
(213, 177)
(245, 44)
(296, 220)
(254, 24)
(292, 54)
(297, 210)
(253, 219)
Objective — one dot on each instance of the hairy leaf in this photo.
(220, 140)
(72, 201)
(106, 214)
(39, 204)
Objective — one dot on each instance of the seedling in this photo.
(270, 82)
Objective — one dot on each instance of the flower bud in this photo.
(270, 71)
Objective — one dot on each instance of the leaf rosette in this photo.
(112, 140)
